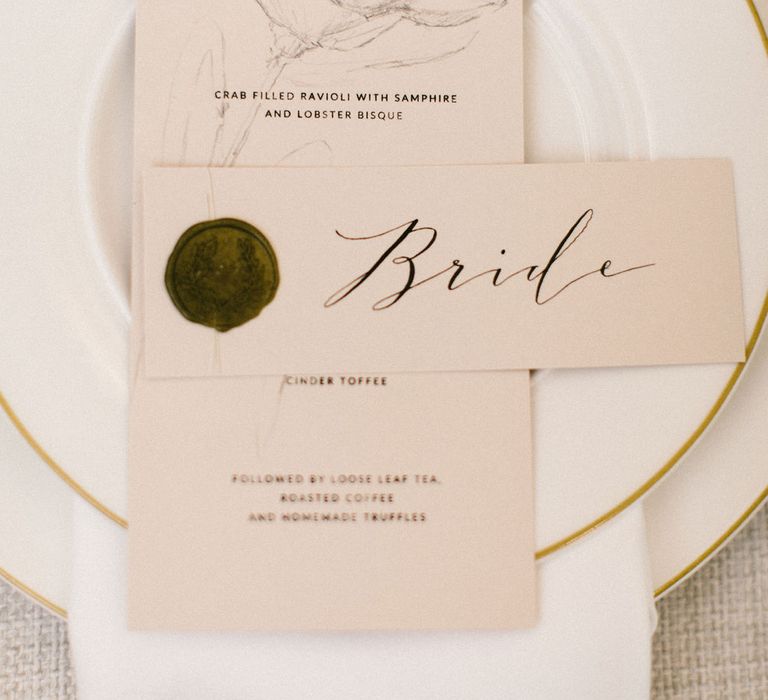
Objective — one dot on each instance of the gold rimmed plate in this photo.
(604, 81)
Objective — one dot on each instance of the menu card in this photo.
(336, 499)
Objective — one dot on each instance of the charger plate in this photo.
(723, 482)
(608, 81)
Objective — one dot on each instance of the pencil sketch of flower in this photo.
(200, 71)
(350, 29)
(344, 25)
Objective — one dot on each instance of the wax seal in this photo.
(222, 273)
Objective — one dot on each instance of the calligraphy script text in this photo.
(456, 274)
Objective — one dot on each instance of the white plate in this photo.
(607, 81)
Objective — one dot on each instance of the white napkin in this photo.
(592, 641)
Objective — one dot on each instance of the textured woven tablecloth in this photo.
(34, 653)
(712, 638)
(711, 642)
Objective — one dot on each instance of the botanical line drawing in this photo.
(352, 32)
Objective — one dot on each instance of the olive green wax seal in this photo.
(222, 273)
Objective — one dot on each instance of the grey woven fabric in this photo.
(712, 639)
(34, 653)
(711, 643)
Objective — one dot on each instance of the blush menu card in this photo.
(331, 498)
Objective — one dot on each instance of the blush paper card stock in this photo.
(413, 514)
(454, 268)
(331, 500)
(372, 82)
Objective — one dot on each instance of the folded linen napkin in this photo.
(593, 639)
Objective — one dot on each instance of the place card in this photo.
(452, 268)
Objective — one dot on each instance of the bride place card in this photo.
(440, 268)
(325, 501)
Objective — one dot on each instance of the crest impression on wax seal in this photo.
(222, 273)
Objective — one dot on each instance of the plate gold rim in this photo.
(37, 597)
(61, 473)
(559, 544)
(714, 547)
